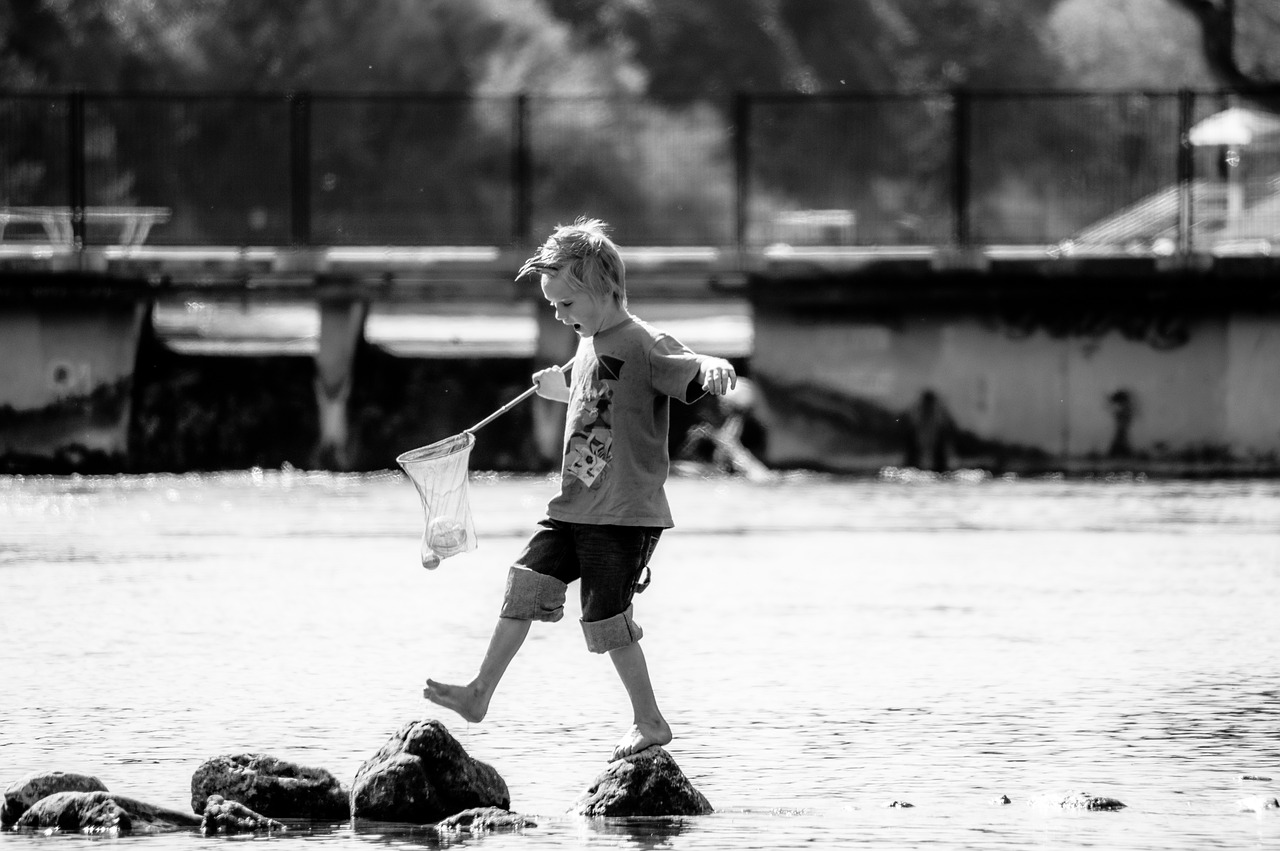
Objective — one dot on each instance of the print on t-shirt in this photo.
(591, 442)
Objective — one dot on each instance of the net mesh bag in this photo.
(439, 473)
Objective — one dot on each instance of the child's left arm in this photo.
(717, 376)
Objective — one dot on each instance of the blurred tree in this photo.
(425, 168)
(338, 44)
(29, 37)
(1257, 41)
(923, 44)
(890, 159)
(670, 48)
(1114, 45)
(1239, 39)
(384, 170)
(1167, 43)
(348, 45)
(713, 48)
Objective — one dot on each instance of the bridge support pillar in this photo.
(342, 315)
(556, 343)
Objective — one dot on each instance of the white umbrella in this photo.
(1235, 126)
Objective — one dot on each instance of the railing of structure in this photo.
(1159, 172)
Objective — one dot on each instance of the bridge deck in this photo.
(467, 273)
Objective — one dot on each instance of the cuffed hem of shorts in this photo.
(611, 633)
(533, 596)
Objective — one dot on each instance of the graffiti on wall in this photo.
(58, 437)
(929, 434)
(925, 435)
(69, 378)
(1123, 408)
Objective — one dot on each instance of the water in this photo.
(822, 647)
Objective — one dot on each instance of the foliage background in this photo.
(630, 111)
(676, 48)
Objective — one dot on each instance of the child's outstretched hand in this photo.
(717, 376)
(551, 384)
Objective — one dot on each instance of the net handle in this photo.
(516, 401)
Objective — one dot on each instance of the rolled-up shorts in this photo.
(610, 562)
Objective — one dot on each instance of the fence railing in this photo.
(1115, 170)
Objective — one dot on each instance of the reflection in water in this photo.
(638, 832)
(823, 647)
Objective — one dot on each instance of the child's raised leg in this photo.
(648, 727)
(529, 596)
(472, 700)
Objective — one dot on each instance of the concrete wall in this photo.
(1072, 386)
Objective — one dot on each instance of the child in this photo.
(603, 525)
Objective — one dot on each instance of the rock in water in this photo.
(1257, 804)
(484, 820)
(422, 774)
(101, 812)
(20, 795)
(227, 817)
(273, 787)
(1079, 801)
(648, 783)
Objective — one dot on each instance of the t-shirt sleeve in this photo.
(673, 367)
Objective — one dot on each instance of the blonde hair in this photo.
(588, 257)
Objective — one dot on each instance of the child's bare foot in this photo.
(468, 701)
(641, 736)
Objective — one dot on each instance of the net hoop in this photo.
(440, 449)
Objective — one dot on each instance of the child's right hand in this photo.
(550, 384)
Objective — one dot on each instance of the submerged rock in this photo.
(223, 816)
(422, 774)
(1079, 801)
(484, 820)
(273, 787)
(21, 794)
(648, 783)
(101, 812)
(1257, 804)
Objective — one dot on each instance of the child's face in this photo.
(586, 312)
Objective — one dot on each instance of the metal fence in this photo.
(1127, 170)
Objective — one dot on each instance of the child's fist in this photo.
(550, 384)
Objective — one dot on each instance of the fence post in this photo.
(1186, 170)
(76, 166)
(742, 168)
(521, 173)
(300, 167)
(961, 172)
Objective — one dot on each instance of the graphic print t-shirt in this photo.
(615, 439)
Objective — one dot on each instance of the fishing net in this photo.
(439, 473)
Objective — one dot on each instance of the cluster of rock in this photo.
(422, 775)
(69, 802)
